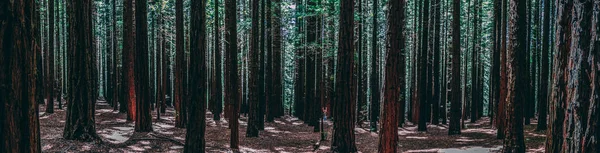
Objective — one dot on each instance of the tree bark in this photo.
(143, 120)
(80, 124)
(217, 90)
(19, 121)
(253, 116)
(455, 106)
(180, 107)
(232, 76)
(423, 52)
(394, 76)
(375, 89)
(50, 60)
(543, 82)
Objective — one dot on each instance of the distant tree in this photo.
(233, 91)
(422, 69)
(375, 89)
(80, 122)
(19, 121)
(217, 87)
(545, 64)
(50, 60)
(253, 116)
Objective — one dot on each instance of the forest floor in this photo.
(286, 134)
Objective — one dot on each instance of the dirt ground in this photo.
(286, 134)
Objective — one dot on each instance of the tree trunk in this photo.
(375, 89)
(543, 82)
(343, 125)
(517, 81)
(503, 77)
(180, 107)
(253, 117)
(276, 103)
(395, 74)
(232, 76)
(194, 138)
(474, 64)
(423, 52)
(50, 60)
(217, 89)
(80, 124)
(19, 121)
(436, 65)
(143, 120)
(455, 106)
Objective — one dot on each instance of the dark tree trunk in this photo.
(455, 106)
(558, 99)
(19, 122)
(474, 64)
(115, 86)
(143, 120)
(232, 76)
(581, 116)
(275, 106)
(253, 116)
(80, 124)
(343, 125)
(436, 65)
(129, 60)
(500, 125)
(495, 72)
(50, 60)
(517, 83)
(194, 138)
(299, 80)
(217, 90)
(422, 85)
(268, 65)
(375, 89)
(543, 82)
(395, 74)
(180, 107)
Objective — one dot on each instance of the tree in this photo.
(517, 76)
(559, 96)
(80, 124)
(501, 121)
(436, 65)
(375, 89)
(143, 120)
(455, 106)
(275, 106)
(543, 82)
(194, 138)
(395, 74)
(19, 121)
(129, 60)
(423, 100)
(254, 115)
(217, 90)
(343, 125)
(50, 60)
(180, 107)
(232, 76)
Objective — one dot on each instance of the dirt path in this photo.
(284, 135)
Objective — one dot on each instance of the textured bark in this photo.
(544, 65)
(194, 138)
(232, 85)
(436, 91)
(143, 120)
(217, 90)
(253, 116)
(275, 106)
(395, 74)
(474, 64)
(558, 104)
(50, 60)
(578, 111)
(375, 89)
(590, 140)
(500, 125)
(19, 121)
(343, 125)
(455, 106)
(516, 96)
(128, 59)
(179, 92)
(423, 54)
(80, 123)
(495, 71)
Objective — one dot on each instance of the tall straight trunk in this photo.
(143, 120)
(581, 117)
(495, 72)
(19, 121)
(217, 90)
(436, 65)
(394, 76)
(527, 66)
(268, 64)
(233, 91)
(275, 108)
(164, 74)
(343, 125)
(58, 57)
(80, 124)
(593, 129)
(543, 82)
(253, 116)
(115, 90)
(300, 79)
(108, 61)
(423, 52)
(517, 82)
(179, 100)
(455, 106)
(559, 95)
(262, 57)
(474, 64)
(311, 38)
(50, 60)
(375, 89)
(129, 60)
(501, 121)
(194, 138)
(359, 65)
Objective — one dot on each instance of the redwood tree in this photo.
(179, 92)
(343, 123)
(253, 116)
(543, 82)
(375, 89)
(232, 75)
(143, 120)
(19, 122)
(395, 73)
(50, 60)
(455, 106)
(80, 124)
